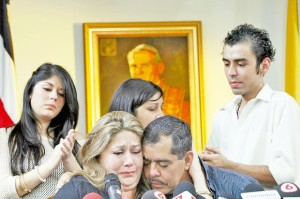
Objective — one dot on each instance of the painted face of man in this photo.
(143, 65)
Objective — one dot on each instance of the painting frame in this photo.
(188, 30)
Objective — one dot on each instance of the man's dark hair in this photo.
(258, 38)
(170, 126)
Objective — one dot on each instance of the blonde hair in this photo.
(102, 133)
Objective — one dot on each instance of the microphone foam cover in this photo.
(184, 186)
(111, 179)
(252, 188)
(152, 194)
(288, 189)
(92, 196)
(226, 196)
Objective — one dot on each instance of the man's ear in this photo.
(188, 158)
(264, 66)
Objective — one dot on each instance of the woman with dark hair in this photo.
(141, 98)
(41, 146)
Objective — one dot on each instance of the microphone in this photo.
(92, 196)
(184, 190)
(152, 194)
(113, 186)
(288, 189)
(252, 188)
(226, 196)
(252, 191)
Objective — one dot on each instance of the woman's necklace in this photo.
(238, 108)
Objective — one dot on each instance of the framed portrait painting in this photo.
(177, 45)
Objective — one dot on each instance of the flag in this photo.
(8, 104)
(292, 67)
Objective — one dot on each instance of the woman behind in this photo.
(141, 98)
(113, 146)
(38, 149)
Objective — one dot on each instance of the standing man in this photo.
(168, 156)
(258, 132)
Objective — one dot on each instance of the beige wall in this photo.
(51, 31)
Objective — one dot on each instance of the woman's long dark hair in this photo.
(24, 141)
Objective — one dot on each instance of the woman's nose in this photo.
(53, 95)
(128, 160)
(159, 114)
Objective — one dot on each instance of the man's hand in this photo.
(214, 157)
(261, 173)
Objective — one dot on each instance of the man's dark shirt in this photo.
(223, 181)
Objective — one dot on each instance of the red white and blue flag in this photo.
(8, 102)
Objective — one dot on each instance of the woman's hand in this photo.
(67, 145)
(63, 151)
